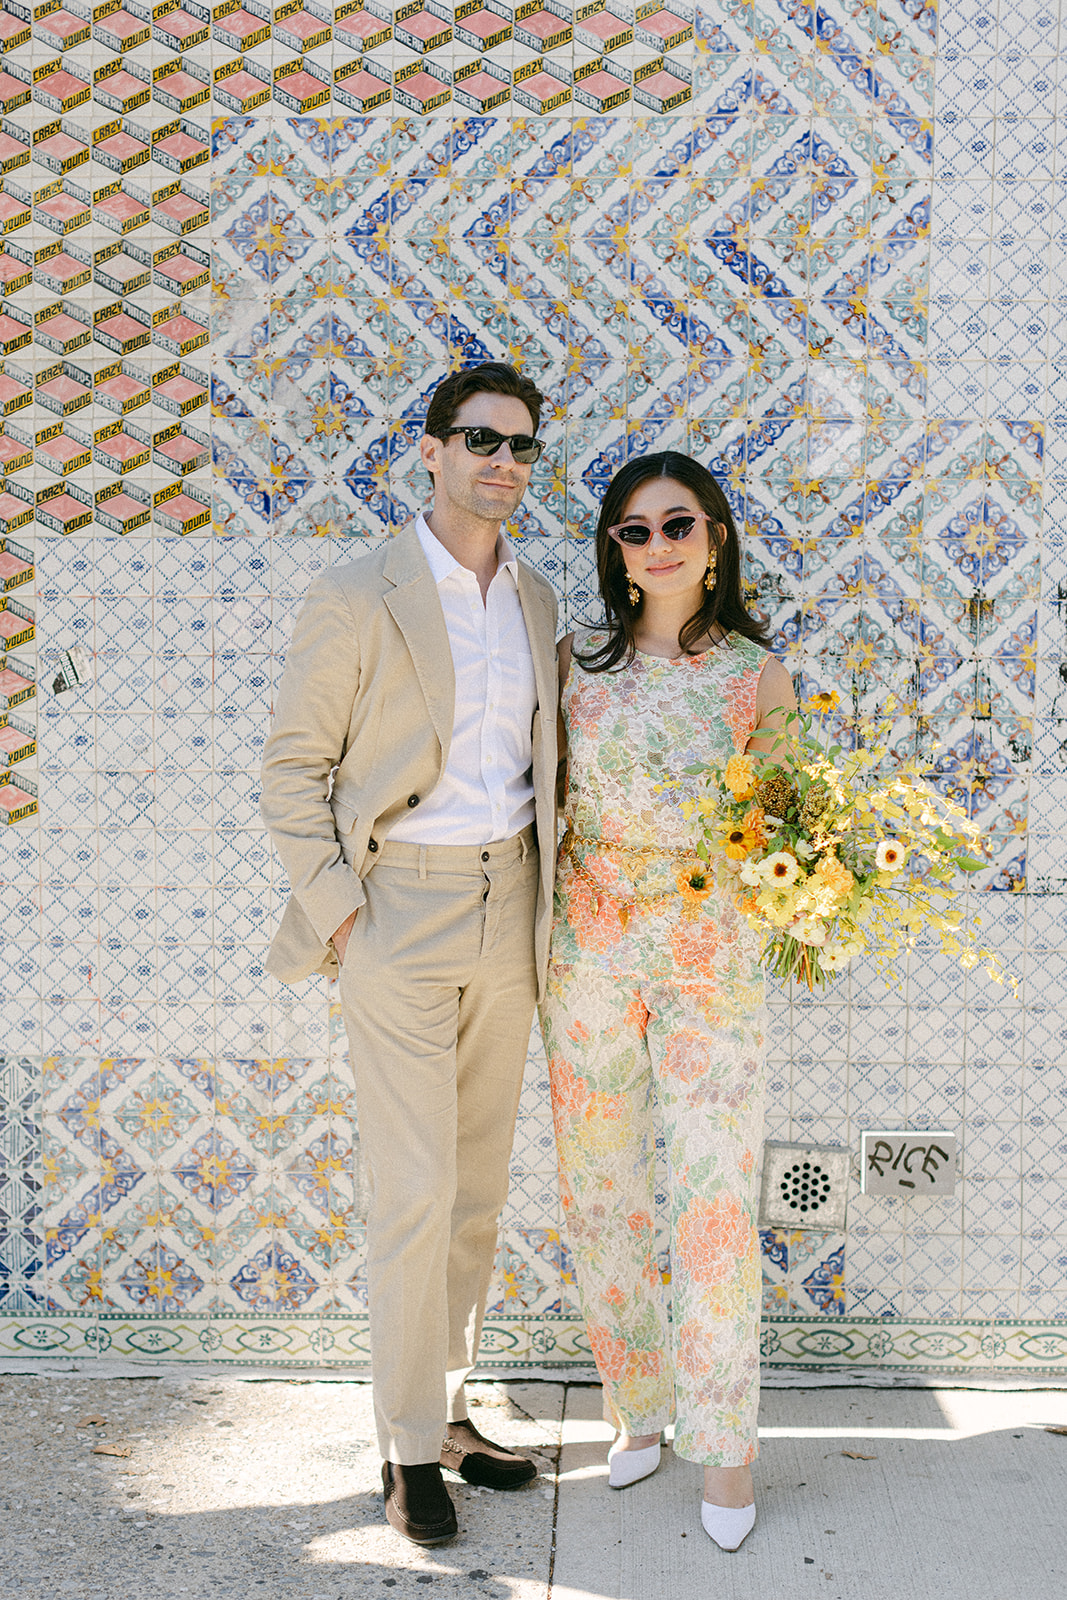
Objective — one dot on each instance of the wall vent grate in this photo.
(804, 1186)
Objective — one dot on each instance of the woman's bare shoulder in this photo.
(775, 686)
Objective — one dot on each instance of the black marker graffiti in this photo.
(900, 1159)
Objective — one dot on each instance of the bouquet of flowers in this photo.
(829, 858)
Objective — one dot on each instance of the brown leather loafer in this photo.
(459, 1452)
(417, 1504)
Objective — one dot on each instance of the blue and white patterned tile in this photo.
(1046, 923)
(1042, 1205)
(1045, 1035)
(539, 183)
(990, 1149)
(991, 1207)
(992, 1263)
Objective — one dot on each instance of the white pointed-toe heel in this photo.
(729, 1526)
(630, 1466)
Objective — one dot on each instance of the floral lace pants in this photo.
(613, 1043)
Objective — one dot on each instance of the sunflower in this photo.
(825, 700)
(739, 841)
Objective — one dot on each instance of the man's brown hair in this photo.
(492, 377)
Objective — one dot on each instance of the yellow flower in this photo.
(825, 700)
(755, 821)
(819, 899)
(740, 777)
(778, 905)
(694, 885)
(834, 874)
(738, 842)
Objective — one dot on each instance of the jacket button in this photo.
(485, 855)
(372, 844)
(413, 799)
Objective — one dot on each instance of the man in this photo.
(422, 680)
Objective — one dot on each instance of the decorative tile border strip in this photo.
(994, 1347)
(550, 1344)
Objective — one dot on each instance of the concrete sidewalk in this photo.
(264, 1488)
(963, 1497)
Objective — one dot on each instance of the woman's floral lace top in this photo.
(631, 734)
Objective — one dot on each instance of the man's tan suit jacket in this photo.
(367, 698)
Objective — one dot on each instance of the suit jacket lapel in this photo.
(416, 609)
(537, 614)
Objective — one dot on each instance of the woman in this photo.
(655, 984)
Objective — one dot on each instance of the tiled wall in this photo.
(820, 248)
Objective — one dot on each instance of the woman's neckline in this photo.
(716, 648)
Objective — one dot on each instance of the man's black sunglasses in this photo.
(486, 442)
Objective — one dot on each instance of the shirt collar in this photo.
(443, 564)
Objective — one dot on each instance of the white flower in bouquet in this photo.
(890, 856)
(779, 869)
(838, 953)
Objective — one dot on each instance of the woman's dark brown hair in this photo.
(722, 605)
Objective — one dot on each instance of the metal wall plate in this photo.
(909, 1162)
(804, 1185)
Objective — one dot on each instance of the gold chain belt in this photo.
(567, 848)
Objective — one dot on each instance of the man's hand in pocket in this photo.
(341, 936)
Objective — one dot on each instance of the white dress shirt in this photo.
(486, 790)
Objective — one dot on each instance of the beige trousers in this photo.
(437, 989)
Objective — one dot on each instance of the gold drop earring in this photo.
(633, 591)
(709, 576)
